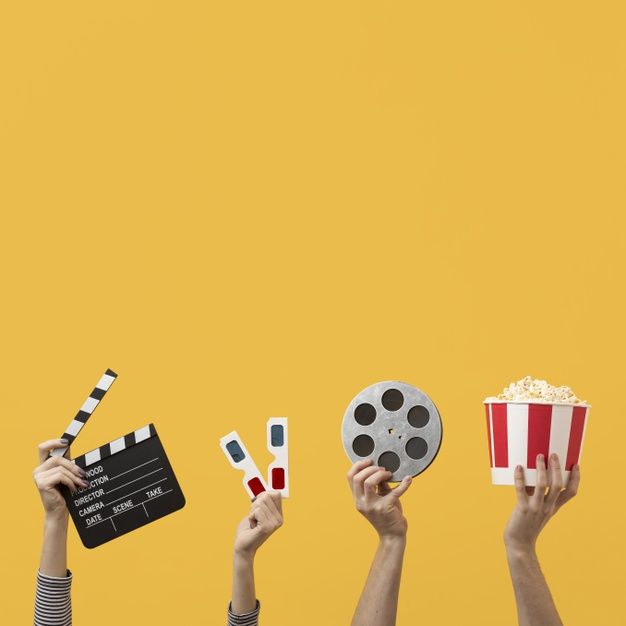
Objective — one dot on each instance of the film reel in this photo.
(395, 424)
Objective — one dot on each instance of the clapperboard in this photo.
(131, 481)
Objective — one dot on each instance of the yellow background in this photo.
(250, 209)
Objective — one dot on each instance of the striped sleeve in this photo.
(53, 605)
(248, 619)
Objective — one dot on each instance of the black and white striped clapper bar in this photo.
(85, 411)
(131, 483)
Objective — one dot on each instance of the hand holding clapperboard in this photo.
(131, 482)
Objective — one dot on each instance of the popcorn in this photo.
(534, 390)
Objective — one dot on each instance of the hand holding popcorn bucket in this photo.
(520, 430)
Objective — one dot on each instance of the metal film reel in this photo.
(395, 424)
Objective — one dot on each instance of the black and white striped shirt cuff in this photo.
(248, 619)
(53, 605)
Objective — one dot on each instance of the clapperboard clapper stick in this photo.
(131, 483)
(85, 412)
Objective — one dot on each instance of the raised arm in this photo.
(52, 601)
(534, 508)
(381, 506)
(264, 518)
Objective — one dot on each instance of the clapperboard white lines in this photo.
(85, 411)
(130, 484)
(278, 471)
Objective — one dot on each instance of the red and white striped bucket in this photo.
(519, 431)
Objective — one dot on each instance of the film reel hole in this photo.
(363, 445)
(392, 399)
(364, 414)
(390, 461)
(416, 448)
(418, 416)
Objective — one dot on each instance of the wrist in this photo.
(520, 551)
(392, 541)
(244, 557)
(56, 521)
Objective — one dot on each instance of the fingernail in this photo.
(81, 471)
(64, 441)
(540, 458)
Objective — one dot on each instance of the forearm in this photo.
(535, 606)
(54, 551)
(378, 604)
(244, 594)
(52, 600)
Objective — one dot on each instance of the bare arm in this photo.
(264, 519)
(381, 506)
(378, 604)
(534, 508)
(49, 475)
(53, 561)
(52, 599)
(244, 593)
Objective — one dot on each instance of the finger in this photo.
(402, 488)
(275, 515)
(371, 482)
(263, 514)
(55, 477)
(259, 506)
(265, 500)
(77, 480)
(46, 447)
(556, 480)
(65, 480)
(357, 467)
(360, 478)
(520, 486)
(56, 461)
(572, 487)
(541, 482)
(56, 472)
(274, 502)
(274, 498)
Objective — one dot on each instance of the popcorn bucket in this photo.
(519, 431)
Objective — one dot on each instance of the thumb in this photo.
(402, 487)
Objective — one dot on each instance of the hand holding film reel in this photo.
(376, 501)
